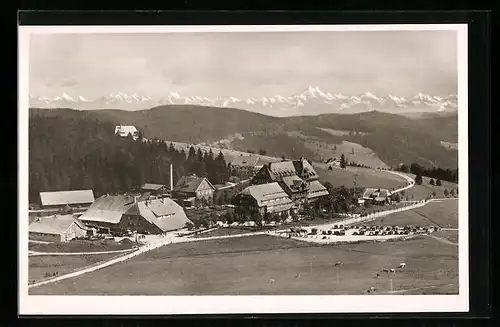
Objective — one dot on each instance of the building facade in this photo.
(190, 189)
(263, 199)
(59, 228)
(127, 213)
(297, 177)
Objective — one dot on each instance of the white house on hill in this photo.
(125, 131)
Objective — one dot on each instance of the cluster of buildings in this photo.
(277, 188)
(280, 188)
(154, 209)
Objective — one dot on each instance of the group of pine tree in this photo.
(75, 154)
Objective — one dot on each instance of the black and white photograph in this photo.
(209, 169)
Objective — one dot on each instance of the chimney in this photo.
(171, 177)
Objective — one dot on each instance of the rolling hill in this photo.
(393, 138)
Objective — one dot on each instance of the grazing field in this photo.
(43, 267)
(82, 246)
(443, 214)
(364, 177)
(450, 235)
(419, 192)
(273, 266)
(222, 232)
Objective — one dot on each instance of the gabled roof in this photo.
(108, 208)
(316, 186)
(265, 192)
(368, 192)
(376, 192)
(294, 183)
(163, 213)
(152, 187)
(190, 184)
(277, 170)
(66, 197)
(305, 170)
(55, 225)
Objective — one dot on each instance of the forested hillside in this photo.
(81, 153)
(394, 138)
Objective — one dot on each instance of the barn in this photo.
(62, 199)
(146, 215)
(59, 228)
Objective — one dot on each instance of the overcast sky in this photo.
(244, 64)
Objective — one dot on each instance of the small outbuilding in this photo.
(59, 228)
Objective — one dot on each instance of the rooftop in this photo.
(67, 197)
(54, 224)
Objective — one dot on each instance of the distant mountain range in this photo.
(312, 101)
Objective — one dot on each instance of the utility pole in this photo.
(310, 267)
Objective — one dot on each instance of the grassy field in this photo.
(81, 246)
(450, 235)
(364, 177)
(39, 266)
(444, 214)
(247, 266)
(222, 232)
(419, 192)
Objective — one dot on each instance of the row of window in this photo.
(44, 234)
(275, 199)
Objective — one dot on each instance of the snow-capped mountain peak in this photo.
(312, 100)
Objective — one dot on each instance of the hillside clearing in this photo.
(264, 265)
(364, 177)
(340, 132)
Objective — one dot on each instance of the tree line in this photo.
(450, 175)
(84, 153)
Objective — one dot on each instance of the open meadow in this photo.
(443, 214)
(365, 177)
(45, 266)
(81, 246)
(264, 265)
(419, 192)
